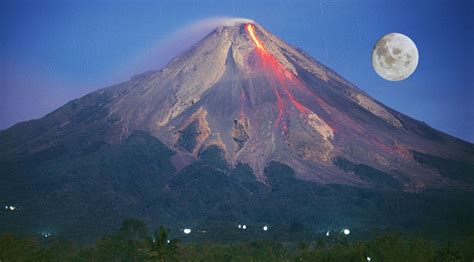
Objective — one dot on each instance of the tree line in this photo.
(132, 242)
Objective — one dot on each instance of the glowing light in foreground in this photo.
(46, 234)
(327, 233)
(251, 31)
(265, 228)
(244, 227)
(187, 231)
(368, 258)
(346, 231)
(239, 226)
(10, 208)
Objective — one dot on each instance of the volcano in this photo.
(240, 117)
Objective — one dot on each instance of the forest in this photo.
(134, 242)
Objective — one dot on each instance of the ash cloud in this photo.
(180, 40)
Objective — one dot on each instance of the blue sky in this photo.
(54, 51)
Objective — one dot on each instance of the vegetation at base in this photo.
(369, 174)
(133, 242)
(83, 191)
(447, 167)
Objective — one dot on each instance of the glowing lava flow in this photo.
(266, 59)
(284, 78)
(251, 31)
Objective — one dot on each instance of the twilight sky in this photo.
(54, 51)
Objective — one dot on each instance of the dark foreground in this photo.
(132, 242)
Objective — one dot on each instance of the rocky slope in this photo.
(258, 99)
(240, 97)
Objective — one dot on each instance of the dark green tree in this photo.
(163, 249)
(133, 230)
(18, 248)
(129, 244)
(449, 253)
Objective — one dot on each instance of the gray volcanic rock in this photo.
(242, 126)
(259, 100)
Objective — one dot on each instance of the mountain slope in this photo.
(258, 99)
(238, 98)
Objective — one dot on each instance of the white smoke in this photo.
(169, 46)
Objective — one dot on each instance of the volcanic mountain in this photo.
(239, 99)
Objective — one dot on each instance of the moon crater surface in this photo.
(394, 57)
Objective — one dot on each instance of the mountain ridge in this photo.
(239, 121)
(299, 96)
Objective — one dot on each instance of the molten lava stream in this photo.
(284, 78)
(281, 105)
(263, 62)
(283, 73)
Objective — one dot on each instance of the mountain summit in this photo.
(241, 96)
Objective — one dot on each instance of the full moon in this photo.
(394, 57)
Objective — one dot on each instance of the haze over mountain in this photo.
(240, 126)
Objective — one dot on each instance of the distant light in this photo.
(244, 227)
(46, 234)
(187, 231)
(12, 208)
(168, 241)
(368, 259)
(6, 207)
(240, 226)
(265, 228)
(327, 233)
(346, 231)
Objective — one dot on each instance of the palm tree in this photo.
(163, 249)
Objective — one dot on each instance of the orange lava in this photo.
(251, 31)
(391, 148)
(285, 79)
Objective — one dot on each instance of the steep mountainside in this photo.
(168, 144)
